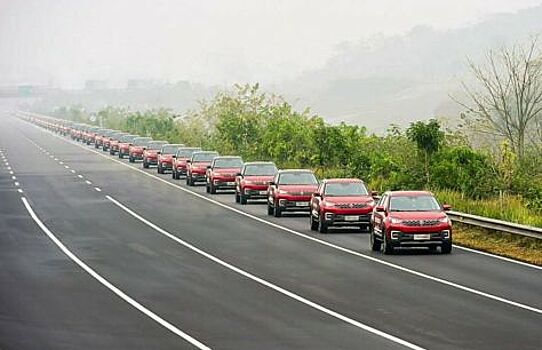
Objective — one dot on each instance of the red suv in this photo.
(341, 202)
(124, 144)
(165, 157)
(221, 173)
(253, 180)
(180, 161)
(135, 151)
(99, 137)
(410, 219)
(114, 142)
(196, 169)
(150, 153)
(106, 139)
(291, 190)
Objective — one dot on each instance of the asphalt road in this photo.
(200, 268)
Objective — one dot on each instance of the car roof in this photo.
(343, 180)
(228, 157)
(159, 141)
(296, 171)
(175, 144)
(144, 137)
(206, 152)
(260, 163)
(409, 193)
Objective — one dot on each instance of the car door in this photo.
(378, 217)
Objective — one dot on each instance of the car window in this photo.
(413, 203)
(260, 170)
(346, 189)
(228, 163)
(169, 149)
(204, 157)
(297, 178)
(186, 153)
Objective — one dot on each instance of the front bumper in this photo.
(291, 204)
(421, 239)
(224, 183)
(255, 193)
(335, 219)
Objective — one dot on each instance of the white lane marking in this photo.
(9, 168)
(73, 171)
(88, 182)
(61, 163)
(328, 244)
(80, 176)
(11, 172)
(17, 184)
(331, 245)
(56, 159)
(265, 282)
(110, 286)
(20, 190)
(504, 258)
(14, 178)
(97, 189)
(51, 156)
(66, 166)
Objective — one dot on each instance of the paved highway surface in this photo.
(99, 253)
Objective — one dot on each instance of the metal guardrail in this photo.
(494, 224)
(464, 218)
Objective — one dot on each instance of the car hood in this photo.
(226, 170)
(259, 178)
(200, 164)
(350, 199)
(298, 188)
(418, 215)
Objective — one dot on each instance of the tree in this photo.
(428, 138)
(507, 100)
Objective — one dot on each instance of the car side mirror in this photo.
(446, 207)
(173, 156)
(374, 193)
(272, 183)
(188, 161)
(209, 167)
(316, 194)
(158, 152)
(380, 209)
(239, 174)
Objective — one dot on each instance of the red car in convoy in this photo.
(180, 161)
(124, 144)
(165, 157)
(253, 180)
(106, 139)
(135, 151)
(196, 169)
(341, 202)
(150, 153)
(99, 136)
(410, 219)
(291, 190)
(114, 142)
(221, 173)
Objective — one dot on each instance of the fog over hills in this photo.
(403, 78)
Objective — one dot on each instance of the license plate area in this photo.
(351, 218)
(301, 204)
(422, 237)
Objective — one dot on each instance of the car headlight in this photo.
(247, 182)
(283, 192)
(445, 220)
(396, 220)
(329, 204)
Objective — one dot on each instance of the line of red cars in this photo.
(394, 220)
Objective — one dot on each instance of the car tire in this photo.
(145, 163)
(322, 226)
(237, 197)
(177, 175)
(212, 188)
(131, 159)
(190, 180)
(270, 209)
(446, 248)
(121, 155)
(387, 248)
(376, 245)
(277, 211)
(111, 152)
(159, 168)
(314, 223)
(243, 199)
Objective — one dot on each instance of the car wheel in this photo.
(277, 211)
(159, 168)
(314, 223)
(387, 248)
(131, 159)
(96, 146)
(237, 197)
(121, 155)
(173, 176)
(446, 248)
(243, 199)
(322, 226)
(145, 164)
(270, 209)
(177, 175)
(375, 243)
(190, 180)
(212, 188)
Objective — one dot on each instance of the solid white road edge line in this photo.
(319, 241)
(110, 286)
(264, 282)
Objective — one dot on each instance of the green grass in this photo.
(508, 208)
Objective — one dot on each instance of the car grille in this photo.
(420, 222)
(300, 193)
(351, 205)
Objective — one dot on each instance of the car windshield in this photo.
(297, 178)
(143, 141)
(170, 149)
(186, 152)
(204, 157)
(261, 170)
(156, 146)
(128, 138)
(228, 163)
(414, 203)
(340, 189)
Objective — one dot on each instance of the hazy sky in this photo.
(65, 42)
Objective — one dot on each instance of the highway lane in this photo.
(222, 309)
(237, 239)
(45, 300)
